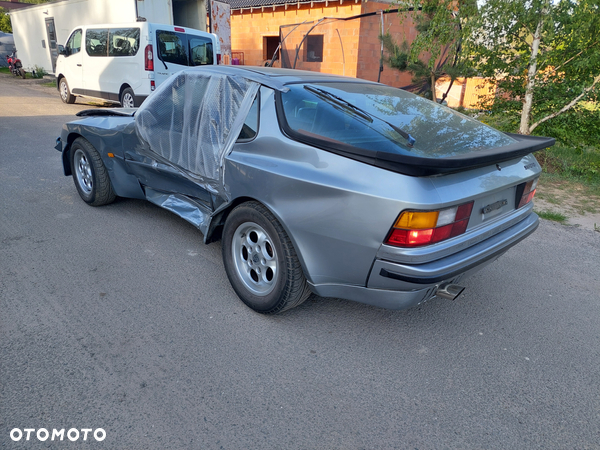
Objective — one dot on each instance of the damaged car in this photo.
(315, 183)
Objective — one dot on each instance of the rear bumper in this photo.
(400, 286)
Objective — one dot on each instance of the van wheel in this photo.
(128, 98)
(65, 93)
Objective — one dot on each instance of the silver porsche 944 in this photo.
(315, 183)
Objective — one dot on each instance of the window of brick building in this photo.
(314, 48)
(270, 44)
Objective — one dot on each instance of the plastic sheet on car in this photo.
(192, 122)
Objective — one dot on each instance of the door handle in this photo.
(78, 65)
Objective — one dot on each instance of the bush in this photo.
(38, 72)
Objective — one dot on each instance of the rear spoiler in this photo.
(418, 166)
(422, 167)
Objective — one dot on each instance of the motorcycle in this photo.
(14, 65)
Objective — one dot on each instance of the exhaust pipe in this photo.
(449, 291)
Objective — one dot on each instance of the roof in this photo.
(8, 6)
(247, 4)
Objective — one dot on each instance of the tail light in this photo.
(416, 228)
(525, 192)
(218, 58)
(148, 58)
(179, 29)
(152, 85)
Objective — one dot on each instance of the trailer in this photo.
(40, 28)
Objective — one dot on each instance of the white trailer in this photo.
(39, 29)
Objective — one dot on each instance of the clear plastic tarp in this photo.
(193, 120)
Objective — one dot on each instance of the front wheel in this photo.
(261, 262)
(65, 93)
(90, 174)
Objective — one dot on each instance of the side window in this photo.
(250, 127)
(123, 41)
(74, 43)
(201, 51)
(96, 42)
(172, 47)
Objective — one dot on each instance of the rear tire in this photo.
(22, 73)
(128, 98)
(65, 92)
(90, 175)
(261, 262)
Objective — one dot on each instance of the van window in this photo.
(74, 43)
(172, 47)
(201, 51)
(124, 41)
(96, 42)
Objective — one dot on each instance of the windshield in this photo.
(384, 119)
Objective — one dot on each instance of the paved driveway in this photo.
(119, 318)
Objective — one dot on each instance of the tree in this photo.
(542, 55)
(5, 24)
(436, 50)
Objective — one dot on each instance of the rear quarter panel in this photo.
(338, 211)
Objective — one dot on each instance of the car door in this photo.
(70, 62)
(182, 141)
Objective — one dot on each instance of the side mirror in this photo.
(61, 50)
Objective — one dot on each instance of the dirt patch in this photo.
(572, 200)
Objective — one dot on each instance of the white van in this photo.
(124, 63)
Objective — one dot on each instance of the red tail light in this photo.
(218, 58)
(148, 58)
(528, 193)
(416, 228)
(152, 85)
(179, 29)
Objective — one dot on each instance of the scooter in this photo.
(14, 65)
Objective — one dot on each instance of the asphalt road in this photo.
(120, 318)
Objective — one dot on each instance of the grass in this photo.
(4, 70)
(554, 216)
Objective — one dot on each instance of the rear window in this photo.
(112, 42)
(383, 119)
(172, 47)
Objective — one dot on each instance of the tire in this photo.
(260, 261)
(22, 73)
(90, 175)
(65, 92)
(128, 98)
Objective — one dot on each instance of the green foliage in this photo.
(566, 66)
(39, 72)
(5, 24)
(554, 216)
(436, 50)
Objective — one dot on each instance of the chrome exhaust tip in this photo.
(449, 291)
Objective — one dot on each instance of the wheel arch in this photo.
(215, 229)
(66, 154)
(59, 77)
(123, 87)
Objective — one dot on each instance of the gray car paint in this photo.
(337, 211)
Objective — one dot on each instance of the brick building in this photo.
(343, 35)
